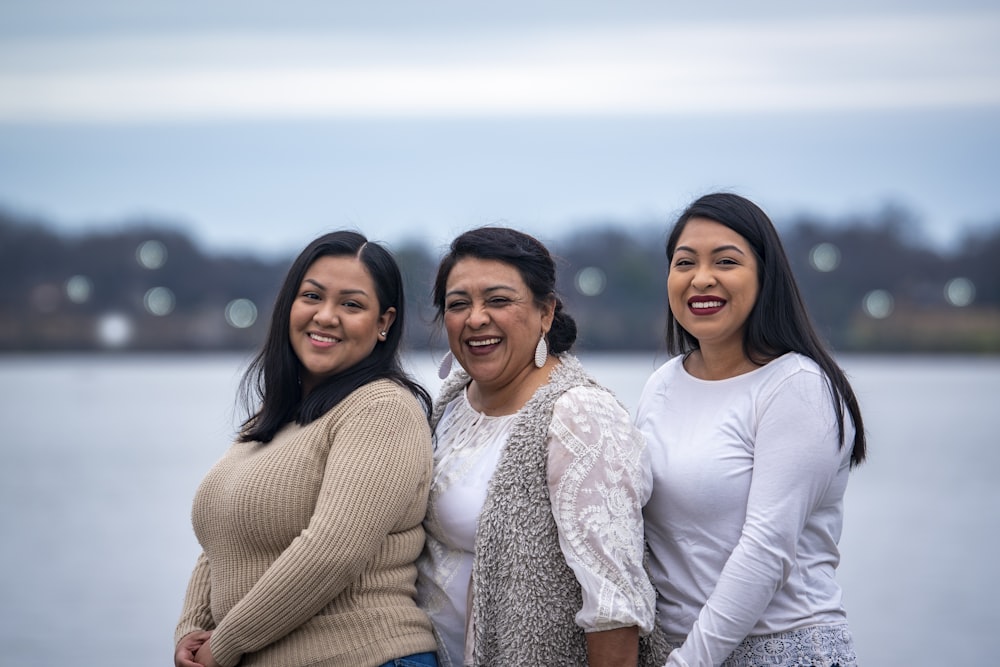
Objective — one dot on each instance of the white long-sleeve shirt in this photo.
(747, 503)
(598, 478)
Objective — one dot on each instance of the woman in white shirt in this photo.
(752, 430)
(534, 550)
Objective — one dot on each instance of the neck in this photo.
(718, 364)
(510, 397)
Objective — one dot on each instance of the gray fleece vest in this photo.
(525, 594)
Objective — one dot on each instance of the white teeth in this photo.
(322, 339)
(481, 343)
(707, 304)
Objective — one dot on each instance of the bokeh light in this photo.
(960, 292)
(824, 257)
(79, 289)
(159, 301)
(241, 313)
(151, 254)
(114, 330)
(591, 281)
(878, 304)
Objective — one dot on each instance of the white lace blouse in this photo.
(599, 479)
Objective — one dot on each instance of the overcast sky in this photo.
(260, 125)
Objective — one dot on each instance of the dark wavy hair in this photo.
(270, 389)
(778, 322)
(526, 254)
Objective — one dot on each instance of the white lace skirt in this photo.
(815, 646)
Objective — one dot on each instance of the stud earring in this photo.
(445, 366)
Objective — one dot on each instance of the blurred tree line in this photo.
(870, 284)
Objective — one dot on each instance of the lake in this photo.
(102, 455)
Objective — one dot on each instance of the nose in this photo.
(478, 316)
(703, 277)
(326, 315)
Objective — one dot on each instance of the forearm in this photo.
(196, 614)
(613, 648)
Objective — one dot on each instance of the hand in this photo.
(188, 646)
(204, 655)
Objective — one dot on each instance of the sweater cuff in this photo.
(224, 654)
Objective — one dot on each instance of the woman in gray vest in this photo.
(534, 550)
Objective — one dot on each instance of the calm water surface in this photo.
(101, 457)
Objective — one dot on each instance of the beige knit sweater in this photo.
(310, 540)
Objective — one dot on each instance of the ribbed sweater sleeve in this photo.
(375, 446)
(197, 610)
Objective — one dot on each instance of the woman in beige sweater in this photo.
(310, 524)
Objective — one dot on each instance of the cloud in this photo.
(690, 68)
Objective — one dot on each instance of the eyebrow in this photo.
(721, 248)
(343, 291)
(488, 290)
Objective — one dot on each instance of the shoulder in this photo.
(452, 387)
(665, 374)
(670, 367)
(567, 375)
(381, 396)
(594, 413)
(380, 390)
(794, 362)
(589, 400)
(569, 372)
(792, 368)
(792, 378)
(580, 397)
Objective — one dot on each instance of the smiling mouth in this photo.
(706, 304)
(323, 339)
(483, 343)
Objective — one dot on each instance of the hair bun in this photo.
(562, 335)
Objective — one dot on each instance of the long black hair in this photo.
(270, 388)
(526, 254)
(778, 322)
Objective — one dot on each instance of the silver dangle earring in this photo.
(445, 366)
(541, 352)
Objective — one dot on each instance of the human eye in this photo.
(727, 261)
(455, 304)
(683, 261)
(310, 295)
(499, 300)
(350, 304)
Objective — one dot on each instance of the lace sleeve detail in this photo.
(599, 479)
